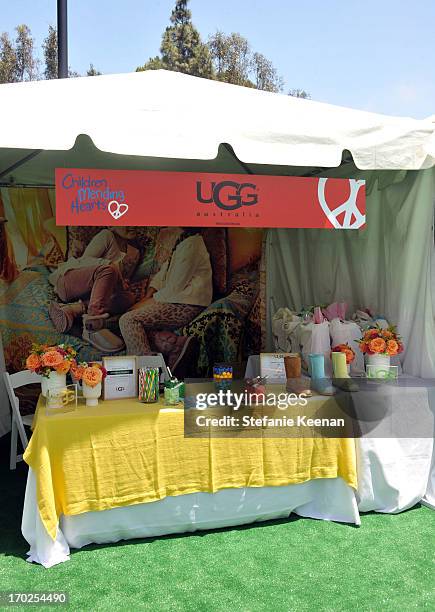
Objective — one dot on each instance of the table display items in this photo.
(256, 389)
(60, 400)
(382, 374)
(314, 339)
(272, 366)
(336, 310)
(319, 382)
(318, 315)
(52, 363)
(285, 324)
(344, 337)
(149, 385)
(172, 390)
(317, 328)
(154, 360)
(379, 345)
(341, 379)
(91, 375)
(348, 352)
(222, 376)
(121, 379)
(293, 370)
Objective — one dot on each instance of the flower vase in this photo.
(379, 365)
(76, 381)
(92, 394)
(54, 381)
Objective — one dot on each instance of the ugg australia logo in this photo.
(228, 195)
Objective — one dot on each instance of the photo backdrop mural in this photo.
(35, 254)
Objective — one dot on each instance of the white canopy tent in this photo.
(169, 121)
(166, 114)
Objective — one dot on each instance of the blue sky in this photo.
(375, 55)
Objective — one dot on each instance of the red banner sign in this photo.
(145, 198)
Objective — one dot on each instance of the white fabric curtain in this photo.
(387, 266)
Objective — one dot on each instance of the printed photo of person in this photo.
(95, 286)
(180, 290)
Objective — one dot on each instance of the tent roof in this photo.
(172, 115)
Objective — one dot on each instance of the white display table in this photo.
(394, 474)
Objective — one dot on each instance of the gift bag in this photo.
(314, 338)
(284, 324)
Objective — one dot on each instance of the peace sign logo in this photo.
(116, 209)
(353, 217)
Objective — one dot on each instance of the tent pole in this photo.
(20, 162)
(26, 186)
(229, 148)
(62, 40)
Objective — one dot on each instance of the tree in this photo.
(225, 57)
(92, 71)
(49, 47)
(232, 58)
(266, 76)
(299, 93)
(27, 65)
(8, 60)
(182, 49)
(234, 62)
(154, 63)
(18, 61)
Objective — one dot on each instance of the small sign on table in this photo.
(121, 379)
(272, 366)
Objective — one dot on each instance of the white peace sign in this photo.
(116, 209)
(349, 207)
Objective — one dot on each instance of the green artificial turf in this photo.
(298, 564)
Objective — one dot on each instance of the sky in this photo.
(375, 55)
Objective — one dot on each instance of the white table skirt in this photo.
(329, 499)
(394, 474)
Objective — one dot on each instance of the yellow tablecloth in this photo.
(124, 452)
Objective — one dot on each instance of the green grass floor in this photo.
(297, 564)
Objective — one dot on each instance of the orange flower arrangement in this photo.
(46, 359)
(76, 370)
(392, 347)
(52, 359)
(33, 362)
(89, 373)
(92, 376)
(64, 367)
(378, 341)
(377, 345)
(344, 348)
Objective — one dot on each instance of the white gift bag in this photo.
(314, 338)
(284, 323)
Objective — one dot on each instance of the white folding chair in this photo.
(12, 382)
